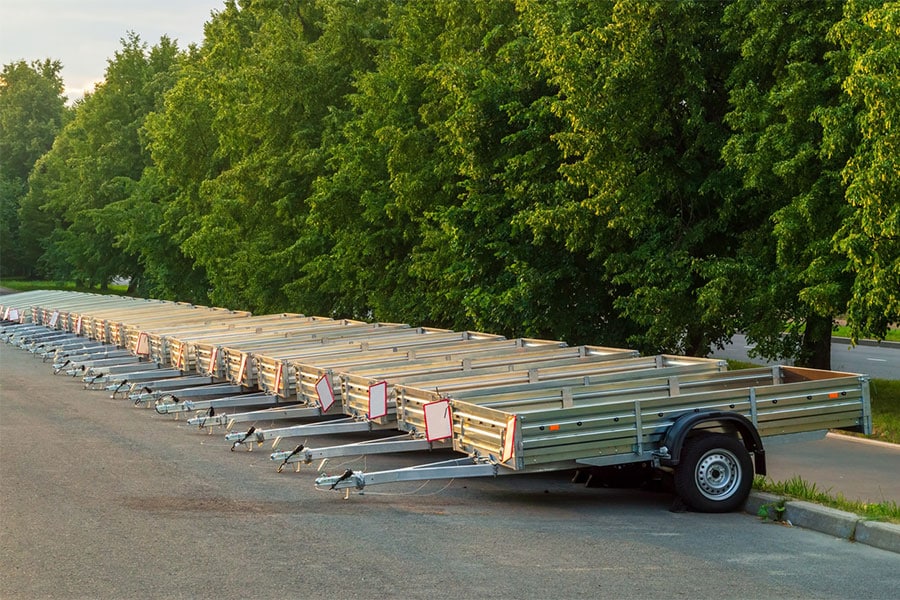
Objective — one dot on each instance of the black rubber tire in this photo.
(715, 473)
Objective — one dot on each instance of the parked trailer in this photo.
(207, 353)
(28, 305)
(93, 318)
(170, 403)
(137, 336)
(320, 395)
(586, 369)
(396, 339)
(122, 332)
(288, 376)
(182, 346)
(309, 396)
(94, 321)
(98, 322)
(276, 375)
(414, 365)
(89, 316)
(369, 345)
(244, 366)
(212, 355)
(337, 339)
(705, 439)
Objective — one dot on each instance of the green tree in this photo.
(478, 262)
(642, 91)
(95, 165)
(786, 282)
(383, 172)
(869, 64)
(241, 139)
(32, 111)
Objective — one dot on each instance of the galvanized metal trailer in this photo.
(285, 375)
(702, 433)
(317, 391)
(276, 393)
(91, 317)
(128, 334)
(208, 353)
(243, 366)
(312, 394)
(241, 377)
(320, 338)
(28, 305)
(351, 343)
(592, 367)
(179, 346)
(182, 345)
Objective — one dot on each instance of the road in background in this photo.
(855, 468)
(880, 361)
(99, 499)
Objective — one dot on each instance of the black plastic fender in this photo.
(678, 432)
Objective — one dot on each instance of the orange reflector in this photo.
(554, 427)
(833, 395)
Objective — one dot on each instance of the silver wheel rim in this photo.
(718, 474)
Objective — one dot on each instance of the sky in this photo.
(84, 34)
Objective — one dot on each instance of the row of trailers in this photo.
(503, 405)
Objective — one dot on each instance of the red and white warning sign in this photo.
(438, 422)
(325, 393)
(378, 400)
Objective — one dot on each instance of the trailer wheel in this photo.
(715, 473)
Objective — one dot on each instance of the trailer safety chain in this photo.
(247, 435)
(414, 492)
(296, 450)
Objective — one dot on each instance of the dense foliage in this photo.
(626, 172)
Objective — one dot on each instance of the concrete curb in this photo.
(837, 523)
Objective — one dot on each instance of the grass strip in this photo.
(799, 489)
(21, 285)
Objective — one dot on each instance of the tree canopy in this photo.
(32, 111)
(646, 173)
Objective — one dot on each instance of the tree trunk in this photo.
(815, 351)
(696, 342)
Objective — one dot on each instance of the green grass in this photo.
(21, 285)
(885, 410)
(799, 489)
(893, 335)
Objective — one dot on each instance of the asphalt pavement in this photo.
(876, 359)
(102, 500)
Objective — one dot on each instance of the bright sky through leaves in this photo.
(84, 34)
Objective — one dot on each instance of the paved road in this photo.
(101, 500)
(855, 468)
(877, 361)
